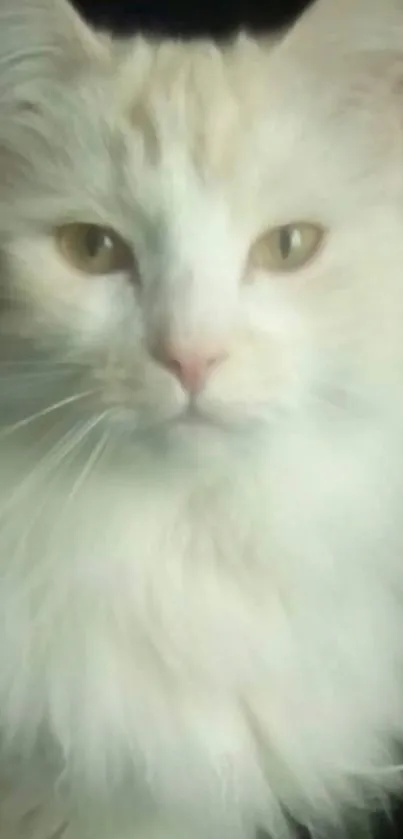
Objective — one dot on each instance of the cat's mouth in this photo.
(212, 418)
(194, 417)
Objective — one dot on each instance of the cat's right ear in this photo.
(41, 39)
(337, 36)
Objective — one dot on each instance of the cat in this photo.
(201, 426)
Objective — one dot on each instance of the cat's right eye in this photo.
(94, 249)
(287, 248)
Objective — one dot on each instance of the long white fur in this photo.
(201, 627)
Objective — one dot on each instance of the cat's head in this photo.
(195, 224)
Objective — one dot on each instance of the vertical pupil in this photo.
(285, 242)
(94, 241)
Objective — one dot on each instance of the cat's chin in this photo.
(194, 417)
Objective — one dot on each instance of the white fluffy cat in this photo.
(201, 429)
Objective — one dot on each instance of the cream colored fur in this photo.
(201, 626)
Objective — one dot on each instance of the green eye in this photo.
(286, 248)
(93, 249)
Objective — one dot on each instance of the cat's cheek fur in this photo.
(88, 310)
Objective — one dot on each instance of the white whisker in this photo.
(78, 439)
(53, 458)
(396, 769)
(16, 364)
(45, 412)
(92, 459)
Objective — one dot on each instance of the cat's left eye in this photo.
(93, 249)
(287, 247)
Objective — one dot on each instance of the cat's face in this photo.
(187, 226)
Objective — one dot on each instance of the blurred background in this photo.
(190, 17)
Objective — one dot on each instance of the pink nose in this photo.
(191, 369)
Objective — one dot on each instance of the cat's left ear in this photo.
(334, 40)
(40, 39)
(335, 28)
(343, 61)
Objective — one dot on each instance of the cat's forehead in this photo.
(176, 129)
(198, 99)
(228, 109)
